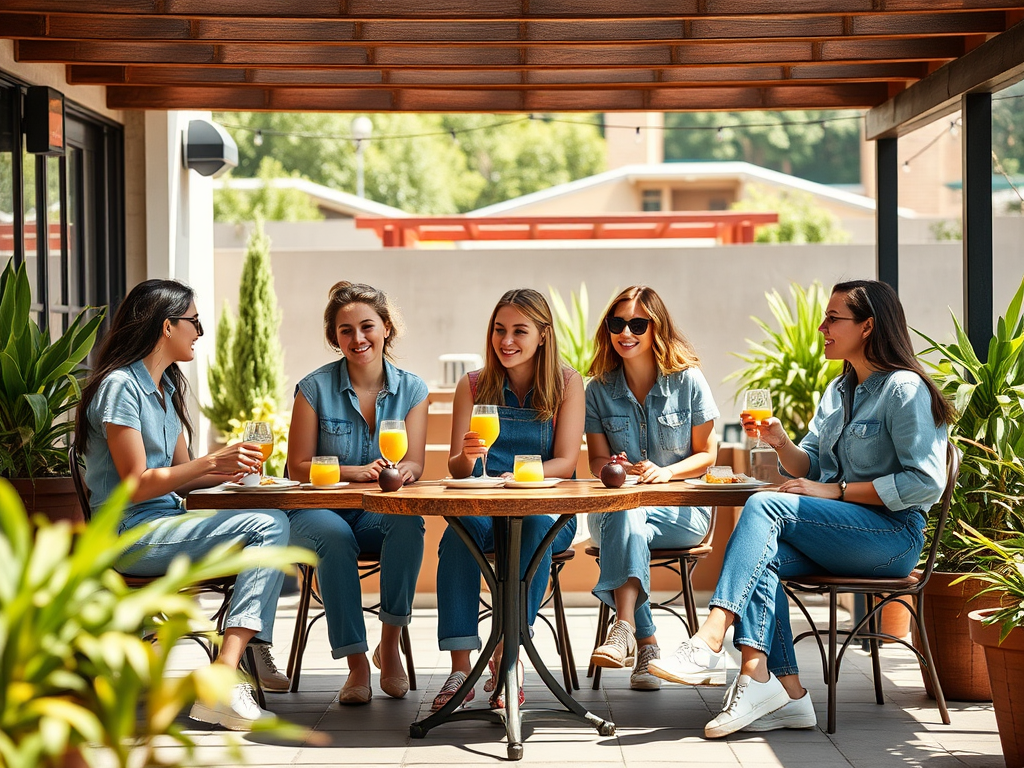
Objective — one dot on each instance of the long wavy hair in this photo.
(548, 380)
(888, 346)
(672, 350)
(134, 333)
(344, 293)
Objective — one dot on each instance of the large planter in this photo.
(959, 663)
(1006, 676)
(53, 497)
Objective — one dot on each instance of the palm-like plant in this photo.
(1002, 563)
(790, 361)
(575, 337)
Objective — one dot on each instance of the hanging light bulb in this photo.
(258, 138)
(637, 137)
(906, 166)
(720, 134)
(954, 129)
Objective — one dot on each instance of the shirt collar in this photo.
(390, 377)
(873, 383)
(145, 380)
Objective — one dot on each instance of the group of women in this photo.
(860, 482)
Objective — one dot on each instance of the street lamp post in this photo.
(362, 128)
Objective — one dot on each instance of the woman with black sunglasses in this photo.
(649, 408)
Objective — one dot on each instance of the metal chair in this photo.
(680, 562)
(880, 591)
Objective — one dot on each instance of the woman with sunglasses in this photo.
(129, 427)
(860, 484)
(649, 408)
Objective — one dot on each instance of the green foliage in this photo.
(989, 398)
(801, 220)
(41, 382)
(75, 670)
(266, 410)
(791, 361)
(236, 206)
(947, 229)
(224, 405)
(572, 330)
(1002, 564)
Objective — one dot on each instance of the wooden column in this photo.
(977, 217)
(887, 230)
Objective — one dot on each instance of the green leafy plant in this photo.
(572, 330)
(790, 361)
(1002, 564)
(989, 400)
(76, 674)
(41, 381)
(266, 410)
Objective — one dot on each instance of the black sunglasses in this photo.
(194, 320)
(638, 325)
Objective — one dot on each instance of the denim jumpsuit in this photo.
(659, 431)
(339, 535)
(128, 397)
(890, 440)
(458, 575)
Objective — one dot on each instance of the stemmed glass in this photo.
(259, 432)
(393, 440)
(758, 403)
(485, 423)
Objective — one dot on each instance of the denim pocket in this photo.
(674, 431)
(866, 446)
(617, 430)
(335, 439)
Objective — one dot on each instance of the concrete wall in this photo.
(446, 296)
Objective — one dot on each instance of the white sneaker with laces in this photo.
(618, 650)
(693, 663)
(238, 715)
(749, 701)
(271, 678)
(796, 713)
(642, 679)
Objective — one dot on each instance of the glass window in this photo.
(650, 200)
(7, 145)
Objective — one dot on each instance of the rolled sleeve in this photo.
(118, 402)
(702, 404)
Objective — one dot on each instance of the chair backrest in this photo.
(80, 487)
(952, 470)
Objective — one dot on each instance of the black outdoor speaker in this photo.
(209, 149)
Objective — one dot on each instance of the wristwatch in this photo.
(842, 489)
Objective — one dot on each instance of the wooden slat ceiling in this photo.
(501, 55)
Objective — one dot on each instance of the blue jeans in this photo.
(338, 536)
(783, 535)
(626, 540)
(458, 576)
(254, 600)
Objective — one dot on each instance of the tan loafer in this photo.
(397, 686)
(354, 695)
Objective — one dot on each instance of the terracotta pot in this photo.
(1006, 676)
(53, 497)
(896, 618)
(960, 664)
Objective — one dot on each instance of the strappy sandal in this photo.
(449, 689)
(497, 701)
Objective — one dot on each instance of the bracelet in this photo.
(842, 490)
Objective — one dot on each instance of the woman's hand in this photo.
(801, 486)
(771, 429)
(473, 447)
(368, 473)
(237, 459)
(649, 472)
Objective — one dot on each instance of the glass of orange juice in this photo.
(528, 469)
(758, 403)
(324, 471)
(393, 440)
(485, 423)
(259, 432)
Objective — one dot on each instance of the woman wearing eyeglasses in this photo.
(649, 407)
(861, 482)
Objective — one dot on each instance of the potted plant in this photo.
(1000, 631)
(40, 385)
(989, 430)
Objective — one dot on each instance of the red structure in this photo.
(726, 227)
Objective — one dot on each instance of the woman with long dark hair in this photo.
(129, 427)
(859, 489)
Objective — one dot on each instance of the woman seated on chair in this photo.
(337, 412)
(129, 425)
(540, 409)
(649, 408)
(861, 483)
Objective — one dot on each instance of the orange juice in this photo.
(528, 469)
(760, 414)
(324, 474)
(394, 443)
(266, 449)
(487, 426)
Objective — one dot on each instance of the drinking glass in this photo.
(484, 422)
(259, 432)
(528, 469)
(758, 403)
(324, 471)
(394, 442)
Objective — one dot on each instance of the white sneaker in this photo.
(271, 678)
(239, 715)
(642, 679)
(618, 650)
(693, 663)
(797, 713)
(750, 700)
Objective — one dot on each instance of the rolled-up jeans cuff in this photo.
(792, 669)
(246, 622)
(751, 642)
(460, 644)
(395, 621)
(645, 631)
(348, 650)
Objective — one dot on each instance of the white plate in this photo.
(700, 482)
(311, 487)
(473, 482)
(279, 484)
(533, 483)
(631, 480)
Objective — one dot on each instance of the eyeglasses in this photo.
(194, 320)
(829, 319)
(638, 325)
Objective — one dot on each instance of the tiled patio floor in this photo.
(652, 728)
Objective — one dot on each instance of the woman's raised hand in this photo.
(237, 459)
(771, 429)
(473, 447)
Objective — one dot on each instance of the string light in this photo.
(637, 138)
(258, 138)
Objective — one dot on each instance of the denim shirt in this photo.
(660, 429)
(128, 397)
(521, 433)
(891, 440)
(343, 430)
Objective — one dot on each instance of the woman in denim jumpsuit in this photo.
(650, 408)
(541, 410)
(337, 410)
(862, 482)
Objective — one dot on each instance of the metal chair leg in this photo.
(940, 698)
(604, 620)
(874, 627)
(831, 673)
(406, 646)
